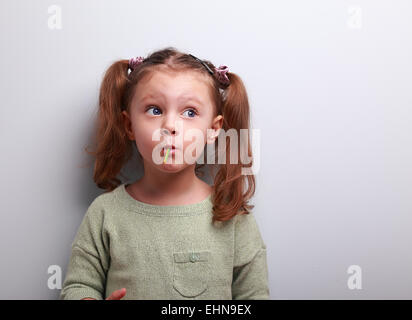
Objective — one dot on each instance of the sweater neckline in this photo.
(204, 206)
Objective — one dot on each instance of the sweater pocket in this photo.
(191, 272)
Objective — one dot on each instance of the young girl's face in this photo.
(177, 102)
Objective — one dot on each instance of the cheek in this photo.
(143, 134)
(195, 141)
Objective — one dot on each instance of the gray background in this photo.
(330, 91)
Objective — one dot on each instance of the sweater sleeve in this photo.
(250, 271)
(89, 260)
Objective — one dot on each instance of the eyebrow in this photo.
(181, 98)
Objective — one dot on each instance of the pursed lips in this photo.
(171, 151)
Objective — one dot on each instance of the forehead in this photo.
(173, 85)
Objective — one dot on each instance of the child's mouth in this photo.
(172, 150)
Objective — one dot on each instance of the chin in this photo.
(171, 167)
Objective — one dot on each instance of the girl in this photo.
(168, 235)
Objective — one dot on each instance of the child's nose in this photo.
(170, 126)
(168, 132)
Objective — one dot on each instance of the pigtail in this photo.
(113, 148)
(229, 184)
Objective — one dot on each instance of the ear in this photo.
(127, 125)
(217, 124)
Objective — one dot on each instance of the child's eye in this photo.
(192, 113)
(155, 112)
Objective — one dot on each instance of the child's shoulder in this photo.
(242, 218)
(246, 223)
(247, 229)
(104, 202)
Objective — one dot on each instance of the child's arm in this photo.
(250, 271)
(89, 261)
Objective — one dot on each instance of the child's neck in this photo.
(157, 187)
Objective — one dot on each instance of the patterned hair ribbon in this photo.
(135, 62)
(221, 72)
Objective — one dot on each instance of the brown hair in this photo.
(114, 149)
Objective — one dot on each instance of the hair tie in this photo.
(135, 62)
(221, 72)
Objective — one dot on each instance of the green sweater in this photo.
(164, 252)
